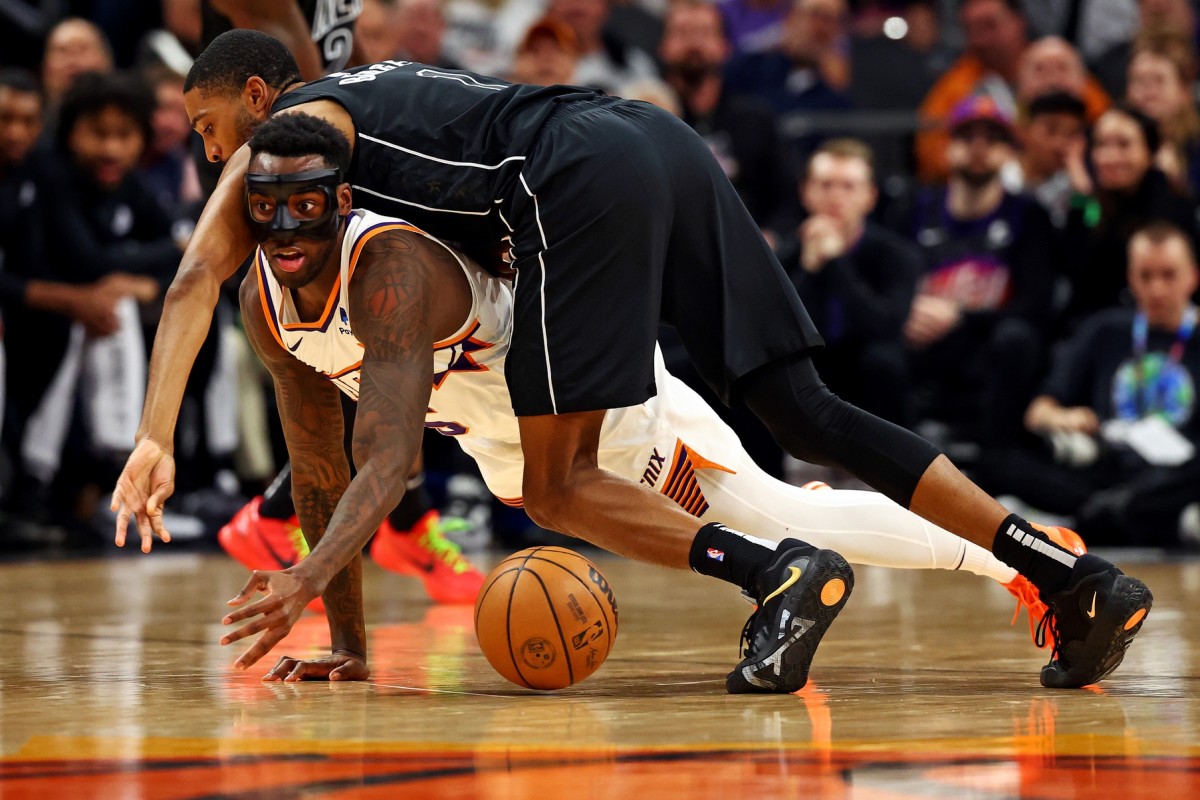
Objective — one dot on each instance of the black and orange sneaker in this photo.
(799, 595)
(1093, 621)
(1029, 598)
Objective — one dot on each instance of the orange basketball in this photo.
(546, 618)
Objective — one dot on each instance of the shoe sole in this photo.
(824, 586)
(1122, 618)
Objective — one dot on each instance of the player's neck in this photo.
(311, 299)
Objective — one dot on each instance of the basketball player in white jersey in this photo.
(331, 287)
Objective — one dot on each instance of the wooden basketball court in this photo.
(114, 686)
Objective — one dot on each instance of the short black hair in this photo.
(92, 92)
(1058, 102)
(300, 134)
(20, 81)
(235, 56)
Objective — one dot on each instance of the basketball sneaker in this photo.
(799, 595)
(1092, 621)
(1027, 594)
(425, 552)
(258, 542)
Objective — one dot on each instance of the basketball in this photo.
(546, 618)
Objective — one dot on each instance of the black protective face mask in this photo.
(281, 188)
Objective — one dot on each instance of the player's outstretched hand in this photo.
(145, 484)
(341, 666)
(286, 596)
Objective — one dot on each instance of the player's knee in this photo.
(547, 502)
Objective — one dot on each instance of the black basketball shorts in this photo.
(621, 218)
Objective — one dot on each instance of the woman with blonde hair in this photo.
(1161, 72)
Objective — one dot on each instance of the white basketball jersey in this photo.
(659, 443)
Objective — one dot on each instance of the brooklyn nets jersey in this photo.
(331, 23)
(659, 443)
(442, 148)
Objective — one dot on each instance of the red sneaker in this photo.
(1028, 597)
(258, 542)
(426, 553)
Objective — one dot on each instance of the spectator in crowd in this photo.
(856, 278)
(1154, 17)
(604, 62)
(1093, 27)
(1051, 64)
(1118, 410)
(167, 168)
(1053, 139)
(377, 31)
(420, 31)
(755, 26)
(654, 91)
(801, 75)
(74, 46)
(1124, 192)
(35, 297)
(995, 39)
(547, 55)
(1161, 74)
(974, 331)
(483, 35)
(741, 131)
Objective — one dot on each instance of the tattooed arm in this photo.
(311, 413)
(404, 289)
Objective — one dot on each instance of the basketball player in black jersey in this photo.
(617, 216)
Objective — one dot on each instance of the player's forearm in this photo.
(375, 490)
(317, 487)
(187, 315)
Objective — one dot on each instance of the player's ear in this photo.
(256, 97)
(345, 199)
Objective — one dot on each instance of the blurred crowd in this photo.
(988, 206)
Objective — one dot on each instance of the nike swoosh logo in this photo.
(795, 576)
(295, 347)
(1092, 611)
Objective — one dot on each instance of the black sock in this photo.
(1031, 553)
(720, 553)
(277, 499)
(414, 505)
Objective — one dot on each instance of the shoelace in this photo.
(1028, 598)
(746, 644)
(1049, 622)
(443, 548)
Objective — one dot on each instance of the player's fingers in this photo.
(262, 646)
(156, 520)
(154, 503)
(350, 671)
(257, 582)
(282, 667)
(145, 531)
(252, 627)
(307, 669)
(266, 606)
(122, 525)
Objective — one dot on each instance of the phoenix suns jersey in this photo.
(659, 443)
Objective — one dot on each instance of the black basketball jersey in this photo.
(331, 23)
(440, 148)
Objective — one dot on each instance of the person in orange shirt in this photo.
(999, 62)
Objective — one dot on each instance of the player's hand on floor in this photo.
(341, 666)
(144, 486)
(286, 596)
